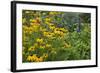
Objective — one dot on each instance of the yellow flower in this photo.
(45, 55)
(33, 20)
(54, 13)
(61, 34)
(56, 31)
(40, 59)
(37, 20)
(48, 45)
(52, 27)
(34, 24)
(27, 29)
(63, 29)
(41, 46)
(48, 19)
(35, 27)
(45, 33)
(48, 34)
(39, 40)
(34, 56)
(30, 29)
(37, 59)
(29, 58)
(31, 48)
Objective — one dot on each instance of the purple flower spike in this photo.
(78, 30)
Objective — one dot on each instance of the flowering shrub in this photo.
(48, 36)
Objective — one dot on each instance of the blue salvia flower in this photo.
(78, 30)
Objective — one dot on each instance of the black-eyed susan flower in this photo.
(29, 58)
(45, 55)
(39, 40)
(32, 48)
(48, 19)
